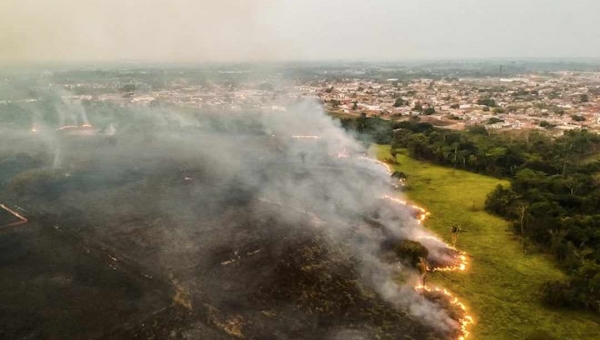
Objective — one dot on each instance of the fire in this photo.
(465, 321)
(461, 265)
(65, 127)
(22, 219)
(34, 130)
(343, 153)
(462, 260)
(306, 137)
(387, 166)
(423, 213)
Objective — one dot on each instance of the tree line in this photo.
(553, 200)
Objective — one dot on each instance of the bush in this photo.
(487, 102)
(411, 251)
(429, 111)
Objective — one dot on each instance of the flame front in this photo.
(387, 166)
(465, 321)
(22, 219)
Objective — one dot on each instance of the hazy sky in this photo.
(239, 30)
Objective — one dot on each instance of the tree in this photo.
(546, 125)
(423, 267)
(455, 106)
(418, 107)
(494, 120)
(455, 230)
(361, 122)
(411, 251)
(429, 111)
(487, 102)
(578, 118)
(584, 98)
(399, 102)
(354, 106)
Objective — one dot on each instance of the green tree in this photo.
(411, 251)
(429, 111)
(487, 102)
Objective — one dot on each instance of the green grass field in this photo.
(501, 284)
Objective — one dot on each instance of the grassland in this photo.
(502, 282)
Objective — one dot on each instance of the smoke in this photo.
(326, 179)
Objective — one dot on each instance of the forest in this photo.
(553, 202)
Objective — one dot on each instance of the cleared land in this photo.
(501, 285)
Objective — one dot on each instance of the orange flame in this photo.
(22, 219)
(387, 166)
(461, 265)
(306, 137)
(423, 213)
(64, 127)
(465, 321)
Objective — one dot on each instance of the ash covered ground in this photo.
(156, 225)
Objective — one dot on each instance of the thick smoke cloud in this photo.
(300, 161)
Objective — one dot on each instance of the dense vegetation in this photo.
(501, 284)
(553, 200)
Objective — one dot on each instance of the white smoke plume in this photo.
(267, 153)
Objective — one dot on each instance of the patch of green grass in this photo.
(502, 282)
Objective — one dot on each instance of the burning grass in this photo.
(502, 281)
(456, 309)
(10, 217)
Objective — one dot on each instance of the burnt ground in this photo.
(53, 288)
(151, 255)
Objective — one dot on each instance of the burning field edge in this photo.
(503, 281)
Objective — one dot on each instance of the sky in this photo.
(283, 30)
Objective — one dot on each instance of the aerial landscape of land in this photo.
(147, 189)
(299, 170)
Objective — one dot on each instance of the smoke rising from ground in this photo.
(269, 158)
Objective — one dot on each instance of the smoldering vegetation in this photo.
(157, 224)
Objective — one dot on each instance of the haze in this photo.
(269, 30)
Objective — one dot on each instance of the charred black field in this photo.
(207, 228)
